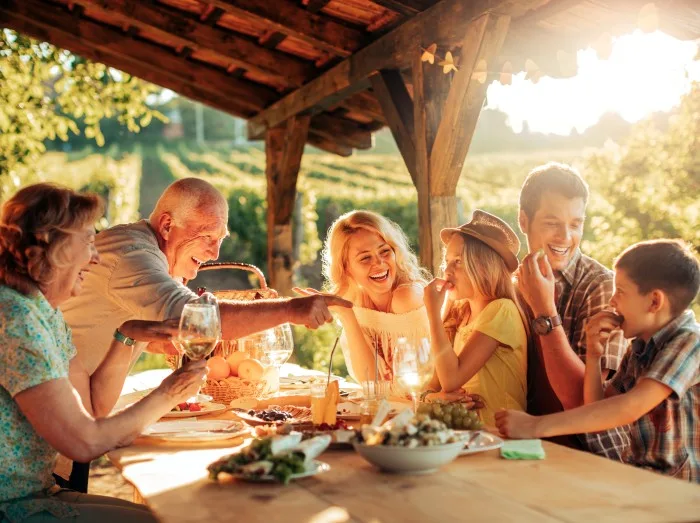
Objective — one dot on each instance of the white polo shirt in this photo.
(131, 282)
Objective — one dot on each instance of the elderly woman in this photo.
(48, 403)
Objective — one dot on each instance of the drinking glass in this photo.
(413, 366)
(278, 344)
(200, 330)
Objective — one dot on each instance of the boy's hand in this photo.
(516, 425)
(434, 295)
(598, 331)
(536, 283)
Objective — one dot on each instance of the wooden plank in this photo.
(482, 44)
(314, 6)
(58, 22)
(284, 147)
(445, 24)
(568, 485)
(287, 17)
(188, 30)
(73, 43)
(330, 146)
(390, 90)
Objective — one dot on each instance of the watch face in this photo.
(542, 325)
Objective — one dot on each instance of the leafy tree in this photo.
(44, 90)
(649, 187)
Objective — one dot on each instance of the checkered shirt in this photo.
(667, 439)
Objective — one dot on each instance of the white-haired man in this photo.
(142, 268)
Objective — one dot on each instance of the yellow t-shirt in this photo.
(502, 381)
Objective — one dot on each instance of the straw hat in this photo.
(491, 230)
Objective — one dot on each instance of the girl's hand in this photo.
(516, 425)
(185, 381)
(150, 331)
(598, 331)
(434, 295)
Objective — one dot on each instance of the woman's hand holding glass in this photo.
(413, 366)
(185, 382)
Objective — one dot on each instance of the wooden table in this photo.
(567, 486)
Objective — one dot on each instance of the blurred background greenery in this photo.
(116, 135)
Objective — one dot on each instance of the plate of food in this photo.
(478, 441)
(279, 458)
(275, 415)
(197, 430)
(188, 410)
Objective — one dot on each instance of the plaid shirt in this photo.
(667, 439)
(582, 289)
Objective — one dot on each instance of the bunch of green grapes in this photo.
(454, 415)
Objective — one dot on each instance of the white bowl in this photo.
(404, 460)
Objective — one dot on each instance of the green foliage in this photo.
(45, 90)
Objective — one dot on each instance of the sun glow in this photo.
(645, 73)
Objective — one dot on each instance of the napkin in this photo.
(522, 449)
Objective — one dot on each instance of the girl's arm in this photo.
(608, 413)
(56, 413)
(454, 371)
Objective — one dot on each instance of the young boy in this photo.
(657, 387)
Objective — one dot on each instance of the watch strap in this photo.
(123, 339)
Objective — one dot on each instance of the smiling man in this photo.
(144, 264)
(563, 289)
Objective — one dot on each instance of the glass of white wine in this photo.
(199, 332)
(413, 366)
(276, 346)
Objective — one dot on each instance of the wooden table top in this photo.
(568, 485)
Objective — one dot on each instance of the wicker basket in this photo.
(233, 387)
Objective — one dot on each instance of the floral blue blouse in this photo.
(36, 347)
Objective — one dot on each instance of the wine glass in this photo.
(276, 345)
(199, 332)
(413, 366)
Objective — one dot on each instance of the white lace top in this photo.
(382, 329)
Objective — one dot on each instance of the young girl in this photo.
(367, 260)
(485, 350)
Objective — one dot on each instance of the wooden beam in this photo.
(341, 130)
(58, 22)
(406, 7)
(287, 17)
(314, 6)
(180, 27)
(445, 114)
(482, 44)
(365, 103)
(73, 43)
(390, 90)
(284, 147)
(328, 145)
(444, 24)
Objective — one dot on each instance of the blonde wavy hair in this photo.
(35, 226)
(489, 276)
(335, 250)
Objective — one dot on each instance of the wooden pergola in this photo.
(331, 72)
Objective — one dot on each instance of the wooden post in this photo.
(435, 128)
(284, 146)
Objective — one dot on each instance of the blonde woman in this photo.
(48, 402)
(480, 342)
(367, 260)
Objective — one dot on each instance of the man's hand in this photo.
(598, 331)
(313, 310)
(434, 295)
(536, 284)
(516, 425)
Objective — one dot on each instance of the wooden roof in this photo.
(266, 60)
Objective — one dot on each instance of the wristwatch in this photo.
(543, 325)
(123, 339)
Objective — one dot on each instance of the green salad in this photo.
(257, 461)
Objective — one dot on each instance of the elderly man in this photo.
(143, 266)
